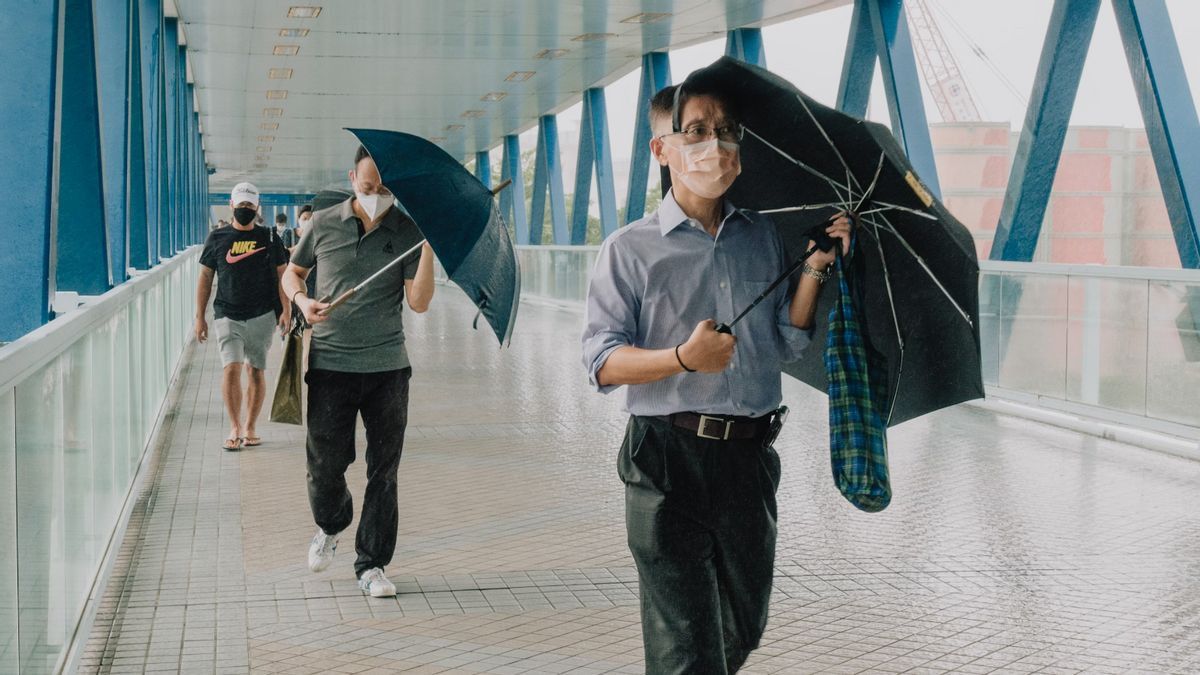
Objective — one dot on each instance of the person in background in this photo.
(248, 261)
(285, 234)
(358, 365)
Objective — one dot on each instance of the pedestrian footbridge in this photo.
(1010, 546)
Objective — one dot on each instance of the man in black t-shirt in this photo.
(248, 261)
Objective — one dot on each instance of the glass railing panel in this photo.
(1106, 343)
(1033, 334)
(1173, 356)
(41, 541)
(9, 646)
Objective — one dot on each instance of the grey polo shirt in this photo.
(366, 334)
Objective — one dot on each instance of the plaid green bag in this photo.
(857, 396)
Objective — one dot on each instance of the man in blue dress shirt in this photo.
(699, 473)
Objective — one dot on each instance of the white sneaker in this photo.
(373, 582)
(320, 551)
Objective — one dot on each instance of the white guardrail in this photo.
(1115, 343)
(79, 400)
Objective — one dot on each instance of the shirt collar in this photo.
(671, 216)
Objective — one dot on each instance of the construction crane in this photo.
(939, 67)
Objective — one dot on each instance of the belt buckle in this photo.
(705, 419)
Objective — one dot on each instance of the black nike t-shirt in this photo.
(245, 262)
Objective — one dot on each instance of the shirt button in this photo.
(723, 284)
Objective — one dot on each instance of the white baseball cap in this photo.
(244, 192)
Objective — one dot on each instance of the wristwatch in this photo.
(819, 275)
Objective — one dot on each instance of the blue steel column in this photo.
(512, 198)
(1040, 146)
(656, 74)
(28, 85)
(170, 132)
(594, 150)
(548, 175)
(150, 77)
(182, 108)
(745, 44)
(483, 167)
(138, 249)
(1169, 113)
(81, 241)
(902, 83)
(112, 72)
(858, 64)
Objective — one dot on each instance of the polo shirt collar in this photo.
(671, 216)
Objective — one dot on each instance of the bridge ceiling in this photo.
(460, 72)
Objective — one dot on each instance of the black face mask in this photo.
(244, 215)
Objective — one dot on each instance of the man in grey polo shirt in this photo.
(358, 365)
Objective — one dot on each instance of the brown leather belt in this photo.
(721, 427)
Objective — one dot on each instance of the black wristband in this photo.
(294, 296)
(681, 360)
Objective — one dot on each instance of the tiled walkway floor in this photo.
(1009, 546)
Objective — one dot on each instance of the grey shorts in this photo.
(246, 341)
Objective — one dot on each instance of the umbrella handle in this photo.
(724, 328)
(340, 299)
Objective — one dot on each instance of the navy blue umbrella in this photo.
(457, 215)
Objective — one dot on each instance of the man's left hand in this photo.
(838, 229)
(285, 319)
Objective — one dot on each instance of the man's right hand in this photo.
(312, 309)
(201, 329)
(707, 351)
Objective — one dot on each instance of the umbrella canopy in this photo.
(458, 217)
(917, 271)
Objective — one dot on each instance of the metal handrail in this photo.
(35, 349)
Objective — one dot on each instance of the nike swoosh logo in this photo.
(231, 259)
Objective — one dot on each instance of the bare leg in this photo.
(256, 392)
(231, 391)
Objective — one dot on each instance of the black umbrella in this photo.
(916, 267)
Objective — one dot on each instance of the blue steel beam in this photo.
(902, 84)
(547, 175)
(656, 74)
(483, 168)
(139, 251)
(1068, 35)
(512, 198)
(858, 64)
(594, 151)
(181, 108)
(745, 44)
(266, 199)
(29, 88)
(81, 241)
(1169, 113)
(112, 72)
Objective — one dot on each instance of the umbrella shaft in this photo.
(726, 328)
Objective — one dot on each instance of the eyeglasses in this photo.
(730, 133)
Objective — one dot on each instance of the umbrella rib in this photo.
(887, 283)
(915, 212)
(828, 140)
(921, 261)
(871, 188)
(832, 183)
(804, 207)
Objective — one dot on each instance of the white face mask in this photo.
(374, 205)
(707, 168)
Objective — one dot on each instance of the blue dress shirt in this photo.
(656, 278)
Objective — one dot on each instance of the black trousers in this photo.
(335, 400)
(700, 518)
